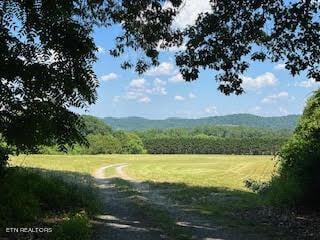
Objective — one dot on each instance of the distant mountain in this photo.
(249, 120)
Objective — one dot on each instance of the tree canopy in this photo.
(228, 38)
(46, 55)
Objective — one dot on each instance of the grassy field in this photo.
(224, 171)
(209, 185)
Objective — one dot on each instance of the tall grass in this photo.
(30, 198)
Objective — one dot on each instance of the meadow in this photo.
(212, 186)
(221, 171)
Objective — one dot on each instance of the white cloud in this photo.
(211, 110)
(176, 78)
(280, 66)
(158, 87)
(273, 98)
(137, 83)
(140, 90)
(109, 77)
(189, 12)
(309, 83)
(133, 95)
(264, 80)
(283, 111)
(179, 98)
(192, 95)
(164, 69)
(144, 99)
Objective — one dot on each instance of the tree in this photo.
(132, 144)
(233, 34)
(103, 144)
(46, 55)
(298, 179)
(94, 125)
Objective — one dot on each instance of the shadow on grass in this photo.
(194, 212)
(37, 198)
(130, 210)
(213, 202)
(245, 214)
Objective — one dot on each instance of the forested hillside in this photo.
(248, 120)
(204, 139)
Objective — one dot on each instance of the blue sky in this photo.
(161, 93)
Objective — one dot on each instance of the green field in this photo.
(210, 185)
(222, 171)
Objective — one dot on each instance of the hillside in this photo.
(248, 120)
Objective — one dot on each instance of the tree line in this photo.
(213, 145)
(208, 139)
(101, 139)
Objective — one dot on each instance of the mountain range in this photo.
(248, 120)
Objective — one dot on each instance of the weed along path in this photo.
(135, 210)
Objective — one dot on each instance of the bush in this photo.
(74, 227)
(297, 181)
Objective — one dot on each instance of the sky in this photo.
(161, 92)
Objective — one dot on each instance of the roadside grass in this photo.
(33, 198)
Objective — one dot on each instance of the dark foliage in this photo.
(212, 145)
(3, 159)
(46, 55)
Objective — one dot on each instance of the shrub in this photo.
(74, 227)
(297, 181)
